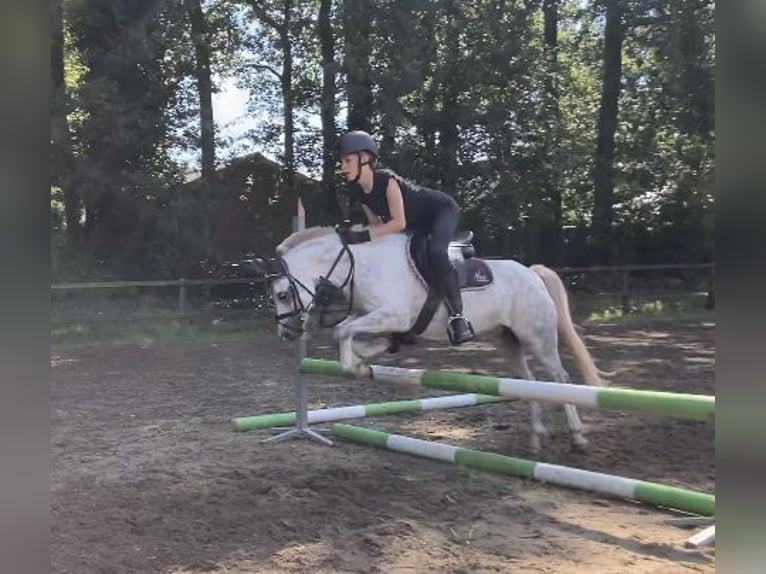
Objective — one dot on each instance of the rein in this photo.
(326, 290)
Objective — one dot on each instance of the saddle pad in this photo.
(475, 273)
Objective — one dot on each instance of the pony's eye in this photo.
(282, 295)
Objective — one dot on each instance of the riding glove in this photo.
(350, 237)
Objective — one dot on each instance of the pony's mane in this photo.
(302, 236)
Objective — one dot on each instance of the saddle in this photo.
(472, 274)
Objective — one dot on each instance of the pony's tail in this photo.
(566, 328)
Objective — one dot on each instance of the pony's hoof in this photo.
(364, 371)
(580, 444)
(349, 369)
(393, 346)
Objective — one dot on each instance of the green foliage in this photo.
(467, 96)
(686, 307)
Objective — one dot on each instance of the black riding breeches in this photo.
(442, 231)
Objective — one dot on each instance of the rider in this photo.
(391, 205)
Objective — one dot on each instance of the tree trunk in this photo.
(283, 30)
(358, 27)
(288, 99)
(448, 140)
(61, 149)
(689, 79)
(603, 179)
(428, 116)
(389, 121)
(327, 111)
(428, 133)
(200, 38)
(553, 235)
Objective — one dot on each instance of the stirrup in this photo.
(466, 334)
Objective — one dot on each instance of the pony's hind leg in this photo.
(519, 367)
(575, 427)
(551, 362)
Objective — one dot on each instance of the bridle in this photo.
(323, 295)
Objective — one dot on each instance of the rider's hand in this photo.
(343, 226)
(350, 237)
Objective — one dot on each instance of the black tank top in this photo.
(421, 204)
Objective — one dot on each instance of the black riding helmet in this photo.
(357, 141)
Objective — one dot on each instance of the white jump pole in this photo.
(365, 410)
(674, 404)
(642, 491)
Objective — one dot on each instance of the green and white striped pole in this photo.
(675, 404)
(365, 410)
(649, 492)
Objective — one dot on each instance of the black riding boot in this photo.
(459, 329)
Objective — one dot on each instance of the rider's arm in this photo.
(396, 208)
(371, 217)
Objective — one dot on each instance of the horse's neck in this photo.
(383, 257)
(320, 255)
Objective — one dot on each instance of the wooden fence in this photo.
(625, 284)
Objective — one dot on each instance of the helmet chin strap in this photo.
(359, 165)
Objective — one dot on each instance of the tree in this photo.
(281, 24)
(450, 82)
(327, 106)
(357, 27)
(201, 40)
(123, 167)
(552, 239)
(61, 145)
(536, 116)
(662, 195)
(603, 176)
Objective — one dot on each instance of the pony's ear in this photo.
(274, 267)
(259, 268)
(256, 267)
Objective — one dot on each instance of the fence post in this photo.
(625, 292)
(181, 296)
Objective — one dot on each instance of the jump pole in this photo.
(703, 538)
(648, 492)
(365, 410)
(675, 404)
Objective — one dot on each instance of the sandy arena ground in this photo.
(147, 475)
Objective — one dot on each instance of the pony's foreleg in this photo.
(354, 354)
(350, 362)
(370, 348)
